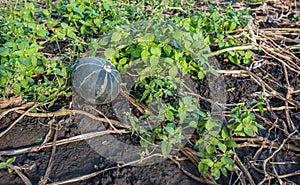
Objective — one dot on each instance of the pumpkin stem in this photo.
(107, 68)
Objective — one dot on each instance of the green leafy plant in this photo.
(216, 27)
(177, 46)
(91, 17)
(165, 53)
(244, 120)
(296, 17)
(166, 48)
(6, 164)
(215, 147)
(24, 69)
(162, 53)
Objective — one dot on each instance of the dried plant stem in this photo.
(15, 122)
(85, 177)
(246, 47)
(61, 142)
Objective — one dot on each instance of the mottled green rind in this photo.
(95, 84)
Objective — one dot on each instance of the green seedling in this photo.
(6, 164)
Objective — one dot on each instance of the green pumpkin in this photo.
(96, 80)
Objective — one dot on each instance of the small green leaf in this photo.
(193, 124)
(42, 98)
(235, 112)
(231, 143)
(123, 61)
(210, 124)
(58, 72)
(215, 173)
(201, 75)
(222, 147)
(219, 164)
(25, 61)
(232, 26)
(221, 43)
(4, 51)
(173, 71)
(187, 45)
(11, 160)
(3, 165)
(71, 34)
(247, 120)
(77, 10)
(234, 59)
(96, 167)
(198, 45)
(103, 42)
(169, 115)
(227, 160)
(154, 60)
(39, 140)
(214, 141)
(116, 36)
(169, 129)
(249, 130)
(109, 53)
(42, 33)
(255, 129)
(248, 54)
(215, 16)
(240, 127)
(145, 53)
(24, 83)
(166, 148)
(215, 133)
(260, 126)
(145, 94)
(210, 149)
(39, 70)
(229, 167)
(148, 37)
(61, 34)
(240, 133)
(202, 114)
(97, 22)
(155, 50)
(208, 162)
(261, 109)
(167, 49)
(23, 45)
(203, 168)
(177, 35)
(16, 89)
(224, 171)
(34, 61)
(224, 134)
(144, 143)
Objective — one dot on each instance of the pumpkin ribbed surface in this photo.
(96, 80)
